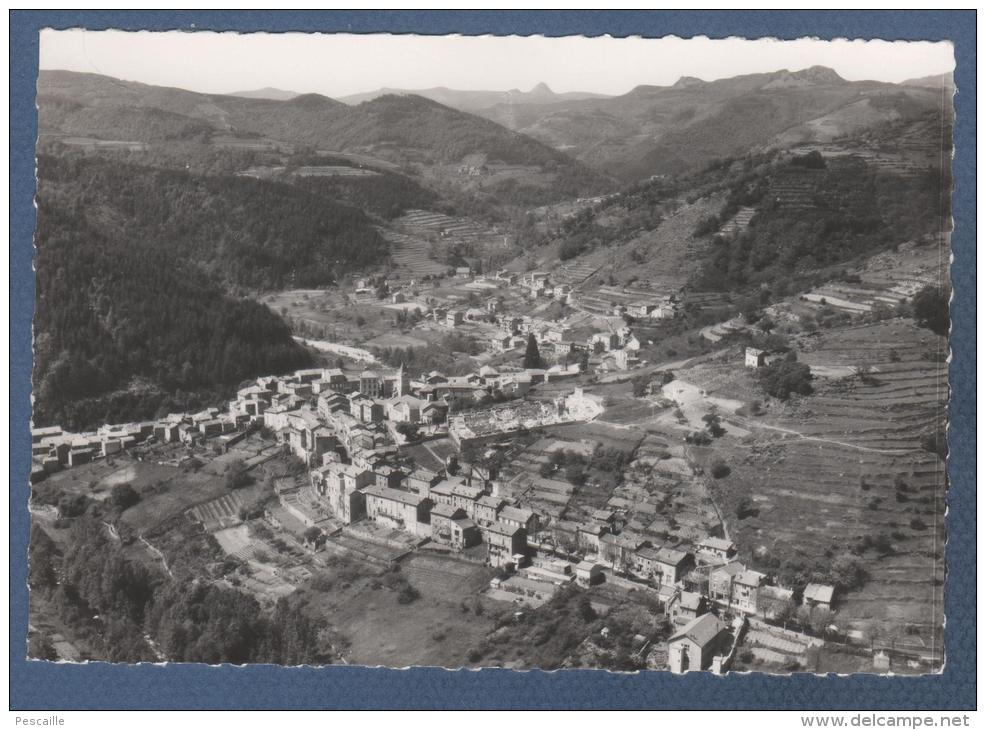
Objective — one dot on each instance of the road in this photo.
(335, 348)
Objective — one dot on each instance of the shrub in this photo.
(236, 475)
(72, 505)
(124, 496)
(720, 470)
(930, 306)
(408, 594)
(699, 438)
(936, 443)
(746, 508)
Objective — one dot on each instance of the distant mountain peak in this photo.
(820, 74)
(686, 82)
(812, 76)
(542, 88)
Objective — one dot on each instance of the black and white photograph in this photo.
(491, 351)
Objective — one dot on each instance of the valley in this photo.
(515, 379)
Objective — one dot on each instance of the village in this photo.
(479, 468)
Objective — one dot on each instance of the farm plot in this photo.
(396, 340)
(219, 512)
(411, 255)
(237, 541)
(438, 628)
(164, 499)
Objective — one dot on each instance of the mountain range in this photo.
(671, 129)
(649, 130)
(475, 101)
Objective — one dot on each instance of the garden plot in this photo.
(219, 512)
(237, 541)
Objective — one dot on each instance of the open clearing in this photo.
(433, 630)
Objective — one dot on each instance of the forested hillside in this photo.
(249, 233)
(385, 194)
(126, 324)
(807, 219)
(116, 601)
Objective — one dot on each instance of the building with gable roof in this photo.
(694, 645)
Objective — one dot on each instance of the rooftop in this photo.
(394, 495)
(819, 592)
(701, 630)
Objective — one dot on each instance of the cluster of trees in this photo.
(254, 234)
(115, 603)
(549, 636)
(575, 466)
(386, 194)
(845, 571)
(785, 377)
(440, 355)
(571, 464)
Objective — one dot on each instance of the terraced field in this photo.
(847, 463)
(218, 513)
(410, 255)
(886, 279)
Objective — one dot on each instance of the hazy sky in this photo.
(341, 64)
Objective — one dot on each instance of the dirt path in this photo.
(857, 447)
(159, 555)
(354, 353)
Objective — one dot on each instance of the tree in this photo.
(236, 475)
(44, 555)
(930, 307)
(72, 505)
(821, 617)
(783, 377)
(124, 496)
(713, 423)
(532, 355)
(407, 430)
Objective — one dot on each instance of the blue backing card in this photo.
(38, 685)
